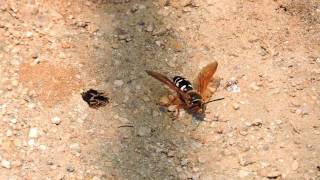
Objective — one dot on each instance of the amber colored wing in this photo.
(205, 76)
(167, 82)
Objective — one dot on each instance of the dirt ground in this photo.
(52, 50)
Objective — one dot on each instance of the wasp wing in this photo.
(167, 82)
(204, 78)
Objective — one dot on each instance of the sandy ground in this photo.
(51, 51)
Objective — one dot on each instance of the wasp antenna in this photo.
(218, 99)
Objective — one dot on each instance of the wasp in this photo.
(193, 100)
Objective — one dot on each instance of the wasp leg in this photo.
(178, 111)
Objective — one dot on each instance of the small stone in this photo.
(92, 28)
(134, 8)
(254, 86)
(149, 28)
(96, 178)
(13, 121)
(31, 142)
(295, 165)
(270, 173)
(56, 120)
(70, 168)
(171, 153)
(6, 164)
(62, 55)
(118, 83)
(9, 133)
(257, 122)
(202, 159)
(158, 43)
(75, 147)
(172, 108)
(15, 83)
(115, 46)
(236, 106)
(42, 147)
(184, 162)
(243, 173)
(28, 34)
(245, 160)
(33, 132)
(195, 169)
(160, 32)
(144, 131)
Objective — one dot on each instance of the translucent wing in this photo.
(204, 78)
(167, 82)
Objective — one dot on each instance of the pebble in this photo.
(184, 162)
(31, 142)
(295, 165)
(172, 108)
(75, 147)
(160, 32)
(70, 168)
(243, 173)
(9, 133)
(254, 86)
(92, 28)
(270, 173)
(42, 147)
(246, 160)
(6, 164)
(13, 121)
(56, 120)
(202, 158)
(96, 178)
(134, 8)
(257, 122)
(15, 83)
(118, 83)
(236, 106)
(33, 132)
(149, 28)
(171, 153)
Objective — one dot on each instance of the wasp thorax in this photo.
(195, 99)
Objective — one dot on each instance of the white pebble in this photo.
(13, 121)
(42, 147)
(56, 120)
(33, 133)
(149, 28)
(75, 147)
(6, 164)
(9, 133)
(31, 142)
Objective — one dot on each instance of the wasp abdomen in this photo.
(182, 83)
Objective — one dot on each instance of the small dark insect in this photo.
(192, 100)
(94, 98)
